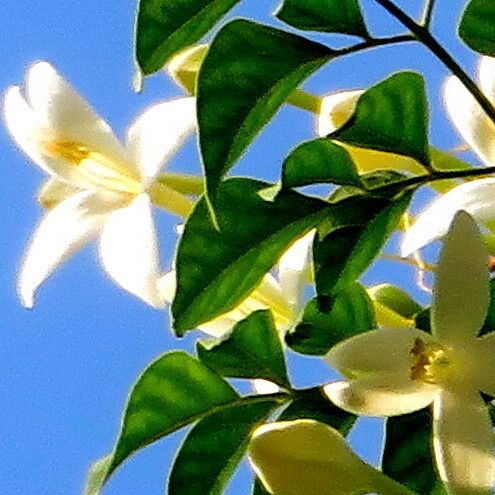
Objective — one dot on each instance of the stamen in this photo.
(431, 363)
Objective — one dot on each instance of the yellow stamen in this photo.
(430, 362)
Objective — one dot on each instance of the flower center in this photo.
(431, 363)
(94, 166)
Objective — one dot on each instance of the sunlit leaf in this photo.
(249, 71)
(258, 488)
(477, 27)
(164, 27)
(351, 313)
(391, 116)
(252, 350)
(333, 16)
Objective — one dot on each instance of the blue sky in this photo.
(67, 365)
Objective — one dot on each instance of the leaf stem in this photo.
(423, 35)
(427, 13)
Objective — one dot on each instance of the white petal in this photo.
(305, 457)
(482, 363)
(463, 443)
(335, 110)
(158, 133)
(486, 71)
(262, 387)
(129, 250)
(53, 191)
(381, 394)
(470, 119)
(475, 197)
(461, 294)
(62, 231)
(61, 109)
(294, 268)
(383, 350)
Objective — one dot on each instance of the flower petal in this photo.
(307, 457)
(63, 230)
(463, 443)
(470, 119)
(61, 109)
(129, 250)
(482, 363)
(158, 132)
(263, 387)
(461, 294)
(474, 197)
(486, 72)
(54, 191)
(383, 350)
(381, 394)
(294, 269)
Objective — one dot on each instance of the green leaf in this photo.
(164, 27)
(312, 404)
(477, 27)
(252, 350)
(258, 488)
(214, 447)
(173, 391)
(342, 256)
(317, 162)
(249, 71)
(391, 116)
(351, 313)
(331, 16)
(407, 455)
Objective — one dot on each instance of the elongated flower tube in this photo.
(98, 186)
(476, 197)
(397, 371)
(306, 457)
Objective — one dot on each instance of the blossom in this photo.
(98, 186)
(306, 457)
(476, 197)
(397, 371)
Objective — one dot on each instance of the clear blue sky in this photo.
(67, 365)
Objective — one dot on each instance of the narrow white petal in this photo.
(383, 350)
(486, 71)
(65, 112)
(305, 457)
(463, 443)
(54, 191)
(294, 269)
(381, 394)
(482, 363)
(335, 110)
(157, 134)
(470, 119)
(129, 250)
(262, 387)
(62, 231)
(475, 197)
(461, 294)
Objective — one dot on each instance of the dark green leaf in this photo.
(214, 447)
(407, 454)
(164, 27)
(332, 16)
(258, 488)
(391, 116)
(343, 255)
(252, 350)
(172, 392)
(311, 404)
(247, 74)
(319, 161)
(477, 27)
(351, 313)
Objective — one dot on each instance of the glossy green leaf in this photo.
(391, 116)
(342, 256)
(258, 488)
(252, 350)
(215, 445)
(396, 299)
(407, 455)
(173, 391)
(351, 313)
(249, 71)
(477, 27)
(317, 162)
(164, 27)
(332, 16)
(312, 404)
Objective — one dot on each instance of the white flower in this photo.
(397, 371)
(306, 457)
(476, 197)
(99, 187)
